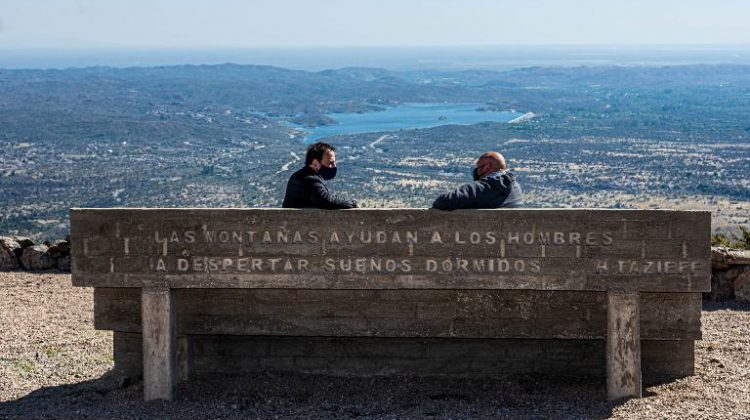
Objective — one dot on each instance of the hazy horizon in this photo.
(392, 58)
(366, 23)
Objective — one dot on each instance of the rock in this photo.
(63, 264)
(8, 260)
(24, 241)
(8, 242)
(718, 265)
(734, 272)
(721, 286)
(8, 253)
(716, 361)
(59, 249)
(37, 258)
(742, 287)
(718, 258)
(721, 256)
(738, 256)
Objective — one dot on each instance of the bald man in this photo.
(493, 187)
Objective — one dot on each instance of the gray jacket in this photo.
(496, 190)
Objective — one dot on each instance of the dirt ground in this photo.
(53, 364)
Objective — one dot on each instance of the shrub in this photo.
(720, 239)
(740, 242)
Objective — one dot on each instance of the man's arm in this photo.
(321, 197)
(467, 196)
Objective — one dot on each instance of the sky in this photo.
(164, 24)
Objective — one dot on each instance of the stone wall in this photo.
(730, 277)
(21, 253)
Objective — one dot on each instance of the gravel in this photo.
(53, 364)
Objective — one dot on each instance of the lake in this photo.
(407, 116)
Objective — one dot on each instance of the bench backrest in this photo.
(533, 249)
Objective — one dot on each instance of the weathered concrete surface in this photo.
(159, 344)
(362, 356)
(393, 249)
(361, 274)
(402, 313)
(623, 345)
(184, 357)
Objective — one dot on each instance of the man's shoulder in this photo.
(299, 172)
(501, 174)
(304, 173)
(502, 179)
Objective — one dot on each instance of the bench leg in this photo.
(184, 357)
(158, 343)
(623, 345)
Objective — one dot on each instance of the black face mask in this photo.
(327, 173)
(475, 174)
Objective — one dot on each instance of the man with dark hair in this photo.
(493, 187)
(307, 187)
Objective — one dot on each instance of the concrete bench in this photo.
(407, 291)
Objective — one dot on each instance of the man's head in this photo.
(320, 155)
(489, 163)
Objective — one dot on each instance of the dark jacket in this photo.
(499, 189)
(306, 188)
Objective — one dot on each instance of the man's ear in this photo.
(316, 164)
(484, 170)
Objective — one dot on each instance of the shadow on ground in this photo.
(729, 305)
(285, 395)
